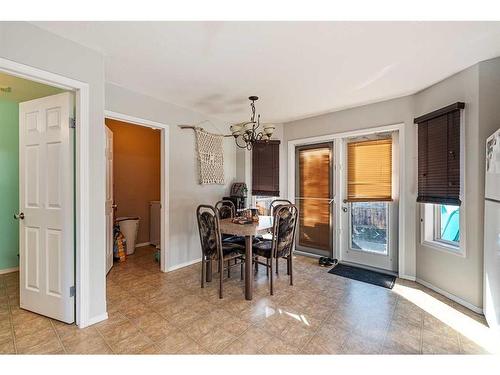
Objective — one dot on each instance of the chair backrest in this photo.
(225, 209)
(285, 224)
(277, 203)
(208, 226)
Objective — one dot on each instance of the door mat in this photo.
(366, 276)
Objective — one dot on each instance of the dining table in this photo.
(248, 231)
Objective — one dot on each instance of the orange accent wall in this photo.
(136, 167)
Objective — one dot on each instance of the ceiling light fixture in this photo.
(247, 131)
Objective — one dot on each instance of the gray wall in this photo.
(460, 276)
(384, 113)
(27, 44)
(477, 86)
(185, 192)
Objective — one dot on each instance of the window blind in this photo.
(369, 171)
(266, 168)
(439, 156)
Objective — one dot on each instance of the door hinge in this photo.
(72, 123)
(72, 291)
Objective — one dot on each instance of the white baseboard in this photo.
(142, 244)
(182, 265)
(406, 277)
(453, 297)
(97, 319)
(9, 270)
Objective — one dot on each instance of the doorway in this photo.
(369, 210)
(133, 192)
(164, 131)
(364, 231)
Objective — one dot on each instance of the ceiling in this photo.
(22, 90)
(298, 69)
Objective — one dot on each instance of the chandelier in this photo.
(246, 133)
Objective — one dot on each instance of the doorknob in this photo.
(114, 206)
(19, 216)
(344, 208)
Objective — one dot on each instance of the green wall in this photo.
(9, 183)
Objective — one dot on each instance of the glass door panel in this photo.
(314, 198)
(369, 226)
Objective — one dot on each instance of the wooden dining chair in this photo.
(281, 245)
(212, 247)
(275, 204)
(227, 210)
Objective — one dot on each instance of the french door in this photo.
(314, 198)
(369, 228)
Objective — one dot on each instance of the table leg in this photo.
(209, 270)
(248, 268)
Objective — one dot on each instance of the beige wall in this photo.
(136, 171)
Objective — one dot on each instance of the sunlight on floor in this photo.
(465, 325)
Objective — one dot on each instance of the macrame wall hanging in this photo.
(210, 150)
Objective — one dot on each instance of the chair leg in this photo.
(288, 265)
(277, 265)
(267, 268)
(271, 290)
(202, 271)
(241, 268)
(290, 261)
(221, 276)
(256, 265)
(229, 269)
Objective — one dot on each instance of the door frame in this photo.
(336, 137)
(82, 178)
(164, 183)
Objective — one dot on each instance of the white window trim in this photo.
(427, 223)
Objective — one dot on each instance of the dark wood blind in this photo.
(439, 156)
(266, 168)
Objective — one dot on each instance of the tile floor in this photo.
(156, 313)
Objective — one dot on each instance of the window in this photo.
(369, 224)
(441, 227)
(266, 168)
(263, 204)
(447, 224)
(369, 170)
(439, 177)
(439, 156)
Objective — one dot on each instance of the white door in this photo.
(109, 199)
(369, 229)
(46, 218)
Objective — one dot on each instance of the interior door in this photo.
(109, 199)
(46, 217)
(368, 229)
(314, 198)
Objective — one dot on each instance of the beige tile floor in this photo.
(156, 313)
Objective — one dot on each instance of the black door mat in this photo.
(366, 276)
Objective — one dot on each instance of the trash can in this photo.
(129, 226)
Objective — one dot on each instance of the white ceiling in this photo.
(298, 69)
